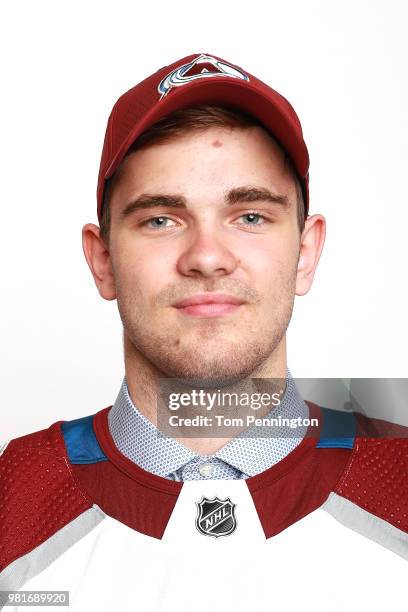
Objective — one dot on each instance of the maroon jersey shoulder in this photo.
(39, 493)
(376, 477)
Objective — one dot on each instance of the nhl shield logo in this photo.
(216, 517)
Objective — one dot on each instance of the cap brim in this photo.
(234, 93)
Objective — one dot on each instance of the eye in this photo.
(252, 218)
(157, 222)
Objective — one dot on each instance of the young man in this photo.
(204, 241)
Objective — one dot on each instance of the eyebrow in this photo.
(234, 196)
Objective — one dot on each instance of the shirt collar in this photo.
(258, 447)
(252, 451)
(139, 440)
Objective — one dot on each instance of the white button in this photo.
(206, 469)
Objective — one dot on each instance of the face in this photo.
(208, 217)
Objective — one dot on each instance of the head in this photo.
(206, 200)
(188, 120)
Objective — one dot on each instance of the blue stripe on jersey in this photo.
(339, 429)
(80, 441)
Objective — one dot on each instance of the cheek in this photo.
(271, 266)
(143, 273)
(268, 257)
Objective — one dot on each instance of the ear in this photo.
(98, 258)
(311, 245)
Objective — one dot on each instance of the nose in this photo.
(207, 255)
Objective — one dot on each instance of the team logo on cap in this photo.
(203, 67)
(216, 517)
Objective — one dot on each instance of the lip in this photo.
(209, 304)
(208, 298)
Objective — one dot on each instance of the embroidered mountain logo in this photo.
(202, 67)
(216, 517)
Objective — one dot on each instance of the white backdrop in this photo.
(343, 67)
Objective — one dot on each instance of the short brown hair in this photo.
(186, 120)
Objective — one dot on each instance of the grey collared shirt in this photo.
(251, 452)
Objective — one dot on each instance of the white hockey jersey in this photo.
(324, 529)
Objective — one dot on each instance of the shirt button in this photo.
(206, 469)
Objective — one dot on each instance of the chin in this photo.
(223, 369)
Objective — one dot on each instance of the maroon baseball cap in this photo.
(200, 79)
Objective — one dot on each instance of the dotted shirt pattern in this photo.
(251, 452)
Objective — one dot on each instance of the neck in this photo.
(142, 379)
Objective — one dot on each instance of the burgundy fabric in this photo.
(138, 474)
(376, 478)
(125, 499)
(38, 492)
(282, 494)
(123, 490)
(300, 483)
(141, 106)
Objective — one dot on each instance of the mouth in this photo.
(208, 305)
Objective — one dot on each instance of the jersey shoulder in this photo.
(371, 495)
(39, 495)
(378, 468)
